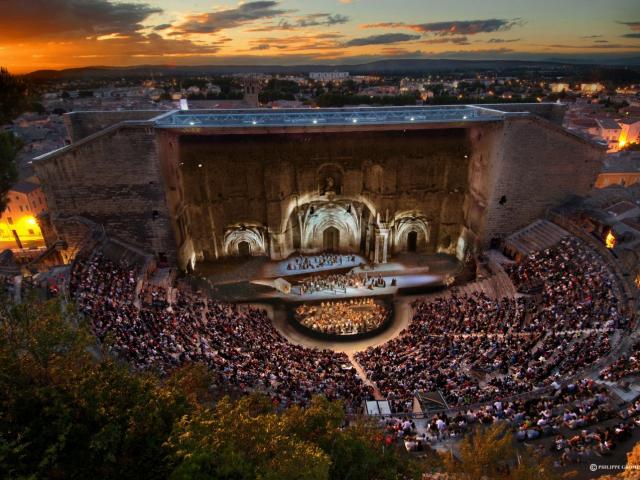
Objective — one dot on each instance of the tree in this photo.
(65, 414)
(247, 439)
(490, 453)
(70, 410)
(244, 440)
(14, 96)
(10, 145)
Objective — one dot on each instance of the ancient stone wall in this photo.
(534, 166)
(113, 180)
(259, 180)
(554, 112)
(82, 124)
(194, 195)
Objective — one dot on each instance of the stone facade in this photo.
(115, 181)
(193, 193)
(280, 183)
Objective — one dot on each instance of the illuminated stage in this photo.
(274, 285)
(259, 280)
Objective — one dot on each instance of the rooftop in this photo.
(608, 123)
(328, 116)
(25, 187)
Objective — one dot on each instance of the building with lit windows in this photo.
(19, 227)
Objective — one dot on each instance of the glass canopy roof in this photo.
(327, 116)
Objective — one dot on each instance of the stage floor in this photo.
(254, 279)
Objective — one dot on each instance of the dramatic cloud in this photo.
(455, 40)
(233, 17)
(71, 32)
(311, 20)
(458, 27)
(54, 19)
(467, 27)
(635, 26)
(595, 46)
(316, 19)
(385, 25)
(591, 36)
(299, 43)
(503, 40)
(383, 39)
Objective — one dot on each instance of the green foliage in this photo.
(248, 439)
(10, 145)
(14, 96)
(279, 90)
(491, 453)
(70, 411)
(66, 415)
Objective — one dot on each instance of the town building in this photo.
(19, 224)
(326, 77)
(609, 130)
(621, 168)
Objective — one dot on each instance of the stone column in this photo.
(381, 245)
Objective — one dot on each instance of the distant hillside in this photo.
(395, 66)
(381, 66)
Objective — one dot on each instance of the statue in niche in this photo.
(329, 184)
(329, 188)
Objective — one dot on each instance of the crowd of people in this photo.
(473, 348)
(345, 317)
(323, 260)
(513, 356)
(339, 282)
(241, 348)
(625, 366)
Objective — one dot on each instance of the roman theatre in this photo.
(313, 206)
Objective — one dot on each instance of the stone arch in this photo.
(238, 237)
(405, 226)
(319, 217)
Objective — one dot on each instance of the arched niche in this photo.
(411, 232)
(329, 179)
(243, 240)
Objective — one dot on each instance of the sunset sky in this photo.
(37, 34)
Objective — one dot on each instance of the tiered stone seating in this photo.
(538, 236)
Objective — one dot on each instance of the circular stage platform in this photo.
(342, 320)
